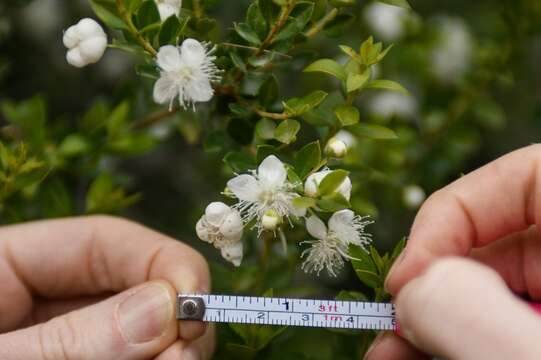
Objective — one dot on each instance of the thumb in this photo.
(136, 324)
(461, 309)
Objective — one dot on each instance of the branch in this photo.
(320, 25)
(125, 15)
(153, 119)
(278, 25)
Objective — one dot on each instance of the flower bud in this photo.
(336, 148)
(271, 220)
(233, 253)
(413, 196)
(312, 184)
(86, 42)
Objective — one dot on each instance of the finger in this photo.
(461, 309)
(389, 346)
(516, 259)
(136, 324)
(494, 201)
(200, 349)
(87, 256)
(45, 310)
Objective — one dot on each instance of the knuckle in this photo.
(58, 339)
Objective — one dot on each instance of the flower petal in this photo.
(168, 10)
(202, 231)
(316, 227)
(232, 226)
(168, 58)
(245, 187)
(165, 90)
(92, 49)
(341, 224)
(216, 212)
(272, 172)
(193, 52)
(199, 89)
(74, 58)
(234, 253)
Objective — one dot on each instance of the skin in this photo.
(64, 281)
(473, 247)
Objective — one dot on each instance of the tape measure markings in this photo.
(292, 312)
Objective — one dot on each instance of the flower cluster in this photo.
(266, 200)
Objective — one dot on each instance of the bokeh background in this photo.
(473, 69)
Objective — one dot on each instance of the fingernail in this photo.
(393, 269)
(146, 314)
(378, 340)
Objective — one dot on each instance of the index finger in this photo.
(499, 199)
(89, 256)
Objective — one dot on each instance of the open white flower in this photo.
(86, 42)
(312, 183)
(168, 8)
(264, 191)
(186, 73)
(222, 227)
(330, 249)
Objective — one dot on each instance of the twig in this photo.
(278, 25)
(125, 15)
(255, 49)
(154, 118)
(198, 9)
(320, 25)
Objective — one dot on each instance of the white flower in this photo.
(330, 249)
(347, 138)
(186, 73)
(386, 21)
(266, 189)
(222, 227)
(86, 42)
(413, 196)
(388, 104)
(452, 55)
(312, 183)
(168, 8)
(336, 148)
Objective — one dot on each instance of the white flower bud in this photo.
(86, 42)
(232, 226)
(312, 183)
(413, 196)
(233, 253)
(336, 148)
(168, 8)
(271, 220)
(215, 213)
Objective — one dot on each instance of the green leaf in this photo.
(331, 182)
(117, 119)
(287, 131)
(239, 161)
(357, 81)
(147, 14)
(269, 92)
(74, 145)
(300, 17)
(299, 106)
(398, 249)
(265, 129)
(247, 33)
(333, 202)
(348, 115)
(401, 3)
(351, 296)
(369, 278)
(328, 66)
(387, 85)
(170, 31)
(256, 20)
(378, 261)
(308, 159)
(372, 131)
(360, 259)
(106, 12)
(303, 202)
(264, 151)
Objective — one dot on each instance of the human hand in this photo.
(97, 288)
(460, 308)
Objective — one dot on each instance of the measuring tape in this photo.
(287, 312)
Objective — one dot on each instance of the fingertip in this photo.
(191, 330)
(389, 346)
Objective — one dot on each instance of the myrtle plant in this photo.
(301, 148)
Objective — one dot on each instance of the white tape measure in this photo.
(289, 312)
